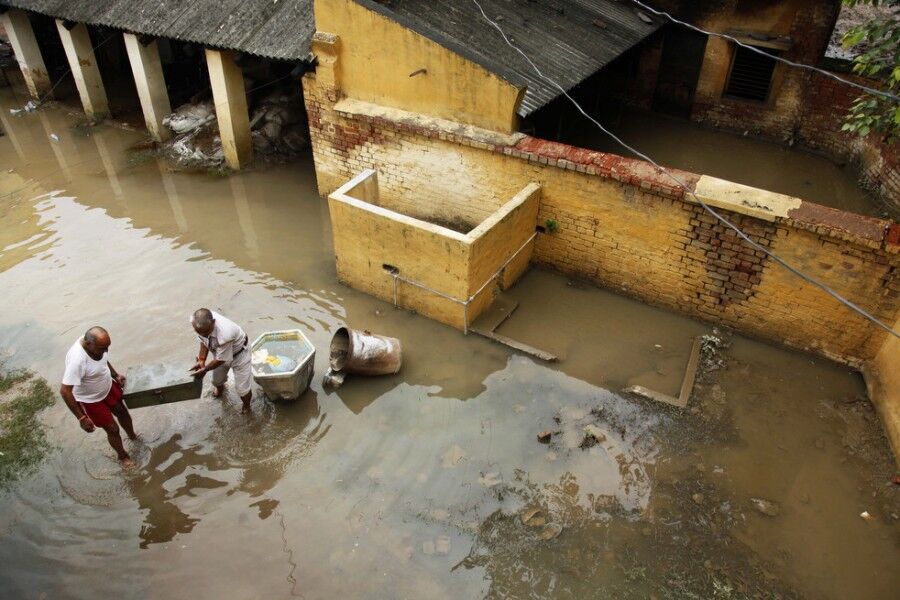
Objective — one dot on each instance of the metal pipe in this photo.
(503, 266)
(465, 303)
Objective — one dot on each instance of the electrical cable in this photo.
(809, 279)
(730, 38)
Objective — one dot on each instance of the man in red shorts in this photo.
(93, 390)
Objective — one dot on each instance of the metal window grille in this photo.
(751, 74)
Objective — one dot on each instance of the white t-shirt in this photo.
(91, 379)
(225, 340)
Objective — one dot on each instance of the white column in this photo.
(28, 54)
(77, 44)
(150, 83)
(230, 99)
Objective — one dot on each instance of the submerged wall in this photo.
(443, 274)
(624, 226)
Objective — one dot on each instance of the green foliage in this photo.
(23, 443)
(551, 225)
(879, 59)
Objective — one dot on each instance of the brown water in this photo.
(765, 165)
(412, 485)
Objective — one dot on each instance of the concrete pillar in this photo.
(77, 44)
(28, 54)
(230, 99)
(150, 83)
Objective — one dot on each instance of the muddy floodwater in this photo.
(743, 159)
(428, 484)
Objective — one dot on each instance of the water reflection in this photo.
(381, 488)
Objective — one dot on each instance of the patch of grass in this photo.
(23, 443)
(7, 380)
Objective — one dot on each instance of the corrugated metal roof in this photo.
(569, 40)
(280, 29)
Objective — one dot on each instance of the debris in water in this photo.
(533, 517)
(896, 480)
(550, 531)
(54, 137)
(489, 479)
(643, 17)
(766, 507)
(711, 347)
(595, 432)
(866, 516)
(698, 498)
(544, 436)
(442, 546)
(453, 457)
(333, 379)
(30, 106)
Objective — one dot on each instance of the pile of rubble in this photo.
(277, 124)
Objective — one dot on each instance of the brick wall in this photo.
(623, 225)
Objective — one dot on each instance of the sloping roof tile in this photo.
(280, 29)
(568, 40)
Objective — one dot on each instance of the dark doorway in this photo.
(679, 69)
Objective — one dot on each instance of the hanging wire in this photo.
(809, 279)
(734, 40)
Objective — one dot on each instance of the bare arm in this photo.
(66, 392)
(200, 367)
(120, 379)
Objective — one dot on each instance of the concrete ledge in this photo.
(351, 107)
(743, 199)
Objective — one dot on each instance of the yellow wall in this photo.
(883, 380)
(628, 237)
(368, 236)
(377, 55)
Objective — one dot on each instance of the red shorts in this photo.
(99, 412)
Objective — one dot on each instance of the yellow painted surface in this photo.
(883, 381)
(230, 99)
(368, 236)
(776, 19)
(621, 236)
(747, 200)
(376, 56)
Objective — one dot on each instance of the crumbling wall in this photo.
(625, 226)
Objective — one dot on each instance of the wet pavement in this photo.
(414, 485)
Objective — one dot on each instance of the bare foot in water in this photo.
(217, 390)
(127, 463)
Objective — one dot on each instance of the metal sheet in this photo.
(152, 385)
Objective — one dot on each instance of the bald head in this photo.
(97, 334)
(96, 342)
(203, 321)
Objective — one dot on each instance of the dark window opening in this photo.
(751, 74)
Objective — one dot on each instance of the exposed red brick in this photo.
(628, 170)
(893, 235)
(809, 213)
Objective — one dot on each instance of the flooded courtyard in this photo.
(430, 483)
(743, 159)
